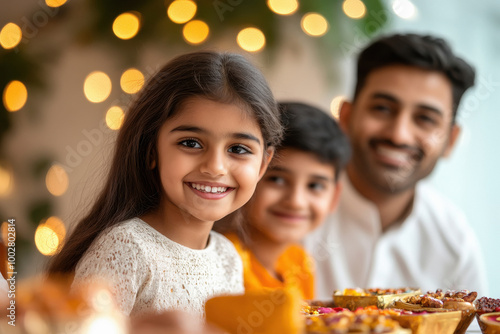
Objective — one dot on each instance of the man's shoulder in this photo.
(432, 207)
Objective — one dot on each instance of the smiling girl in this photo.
(191, 150)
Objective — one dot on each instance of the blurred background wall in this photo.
(55, 146)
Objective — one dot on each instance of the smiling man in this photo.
(390, 229)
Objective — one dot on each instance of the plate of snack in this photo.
(340, 320)
(490, 323)
(485, 305)
(440, 301)
(381, 298)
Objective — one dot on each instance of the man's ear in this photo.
(454, 133)
(336, 196)
(268, 155)
(344, 115)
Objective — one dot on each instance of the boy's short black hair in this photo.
(421, 51)
(310, 129)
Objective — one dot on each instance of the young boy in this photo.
(294, 196)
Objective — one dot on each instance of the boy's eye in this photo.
(239, 149)
(316, 186)
(191, 143)
(276, 179)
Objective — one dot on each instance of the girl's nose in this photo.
(214, 163)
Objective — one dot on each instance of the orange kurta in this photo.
(295, 266)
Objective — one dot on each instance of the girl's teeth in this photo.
(208, 189)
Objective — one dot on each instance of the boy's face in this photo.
(293, 198)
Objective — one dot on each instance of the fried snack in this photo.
(381, 298)
(487, 305)
(428, 301)
(363, 320)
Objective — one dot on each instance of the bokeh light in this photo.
(114, 118)
(10, 35)
(97, 86)
(251, 39)
(15, 95)
(4, 232)
(181, 11)
(56, 180)
(314, 24)
(283, 7)
(126, 25)
(335, 106)
(55, 3)
(46, 240)
(132, 81)
(405, 9)
(195, 32)
(56, 225)
(6, 181)
(105, 325)
(355, 9)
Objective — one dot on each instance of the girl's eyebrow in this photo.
(235, 135)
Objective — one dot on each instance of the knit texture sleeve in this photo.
(115, 259)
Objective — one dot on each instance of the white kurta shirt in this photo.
(148, 272)
(432, 248)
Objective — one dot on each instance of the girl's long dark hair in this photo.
(132, 188)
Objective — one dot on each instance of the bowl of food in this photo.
(381, 298)
(490, 323)
(340, 320)
(457, 301)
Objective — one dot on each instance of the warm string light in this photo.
(355, 9)
(335, 106)
(50, 235)
(56, 180)
(10, 35)
(15, 95)
(283, 7)
(127, 25)
(314, 24)
(181, 11)
(132, 81)
(114, 117)
(97, 87)
(55, 3)
(6, 181)
(195, 32)
(251, 39)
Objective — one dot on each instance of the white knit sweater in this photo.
(149, 272)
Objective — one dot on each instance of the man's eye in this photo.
(191, 143)
(381, 108)
(426, 119)
(239, 149)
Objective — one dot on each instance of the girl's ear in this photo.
(268, 155)
(151, 157)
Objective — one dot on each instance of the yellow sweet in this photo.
(263, 311)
